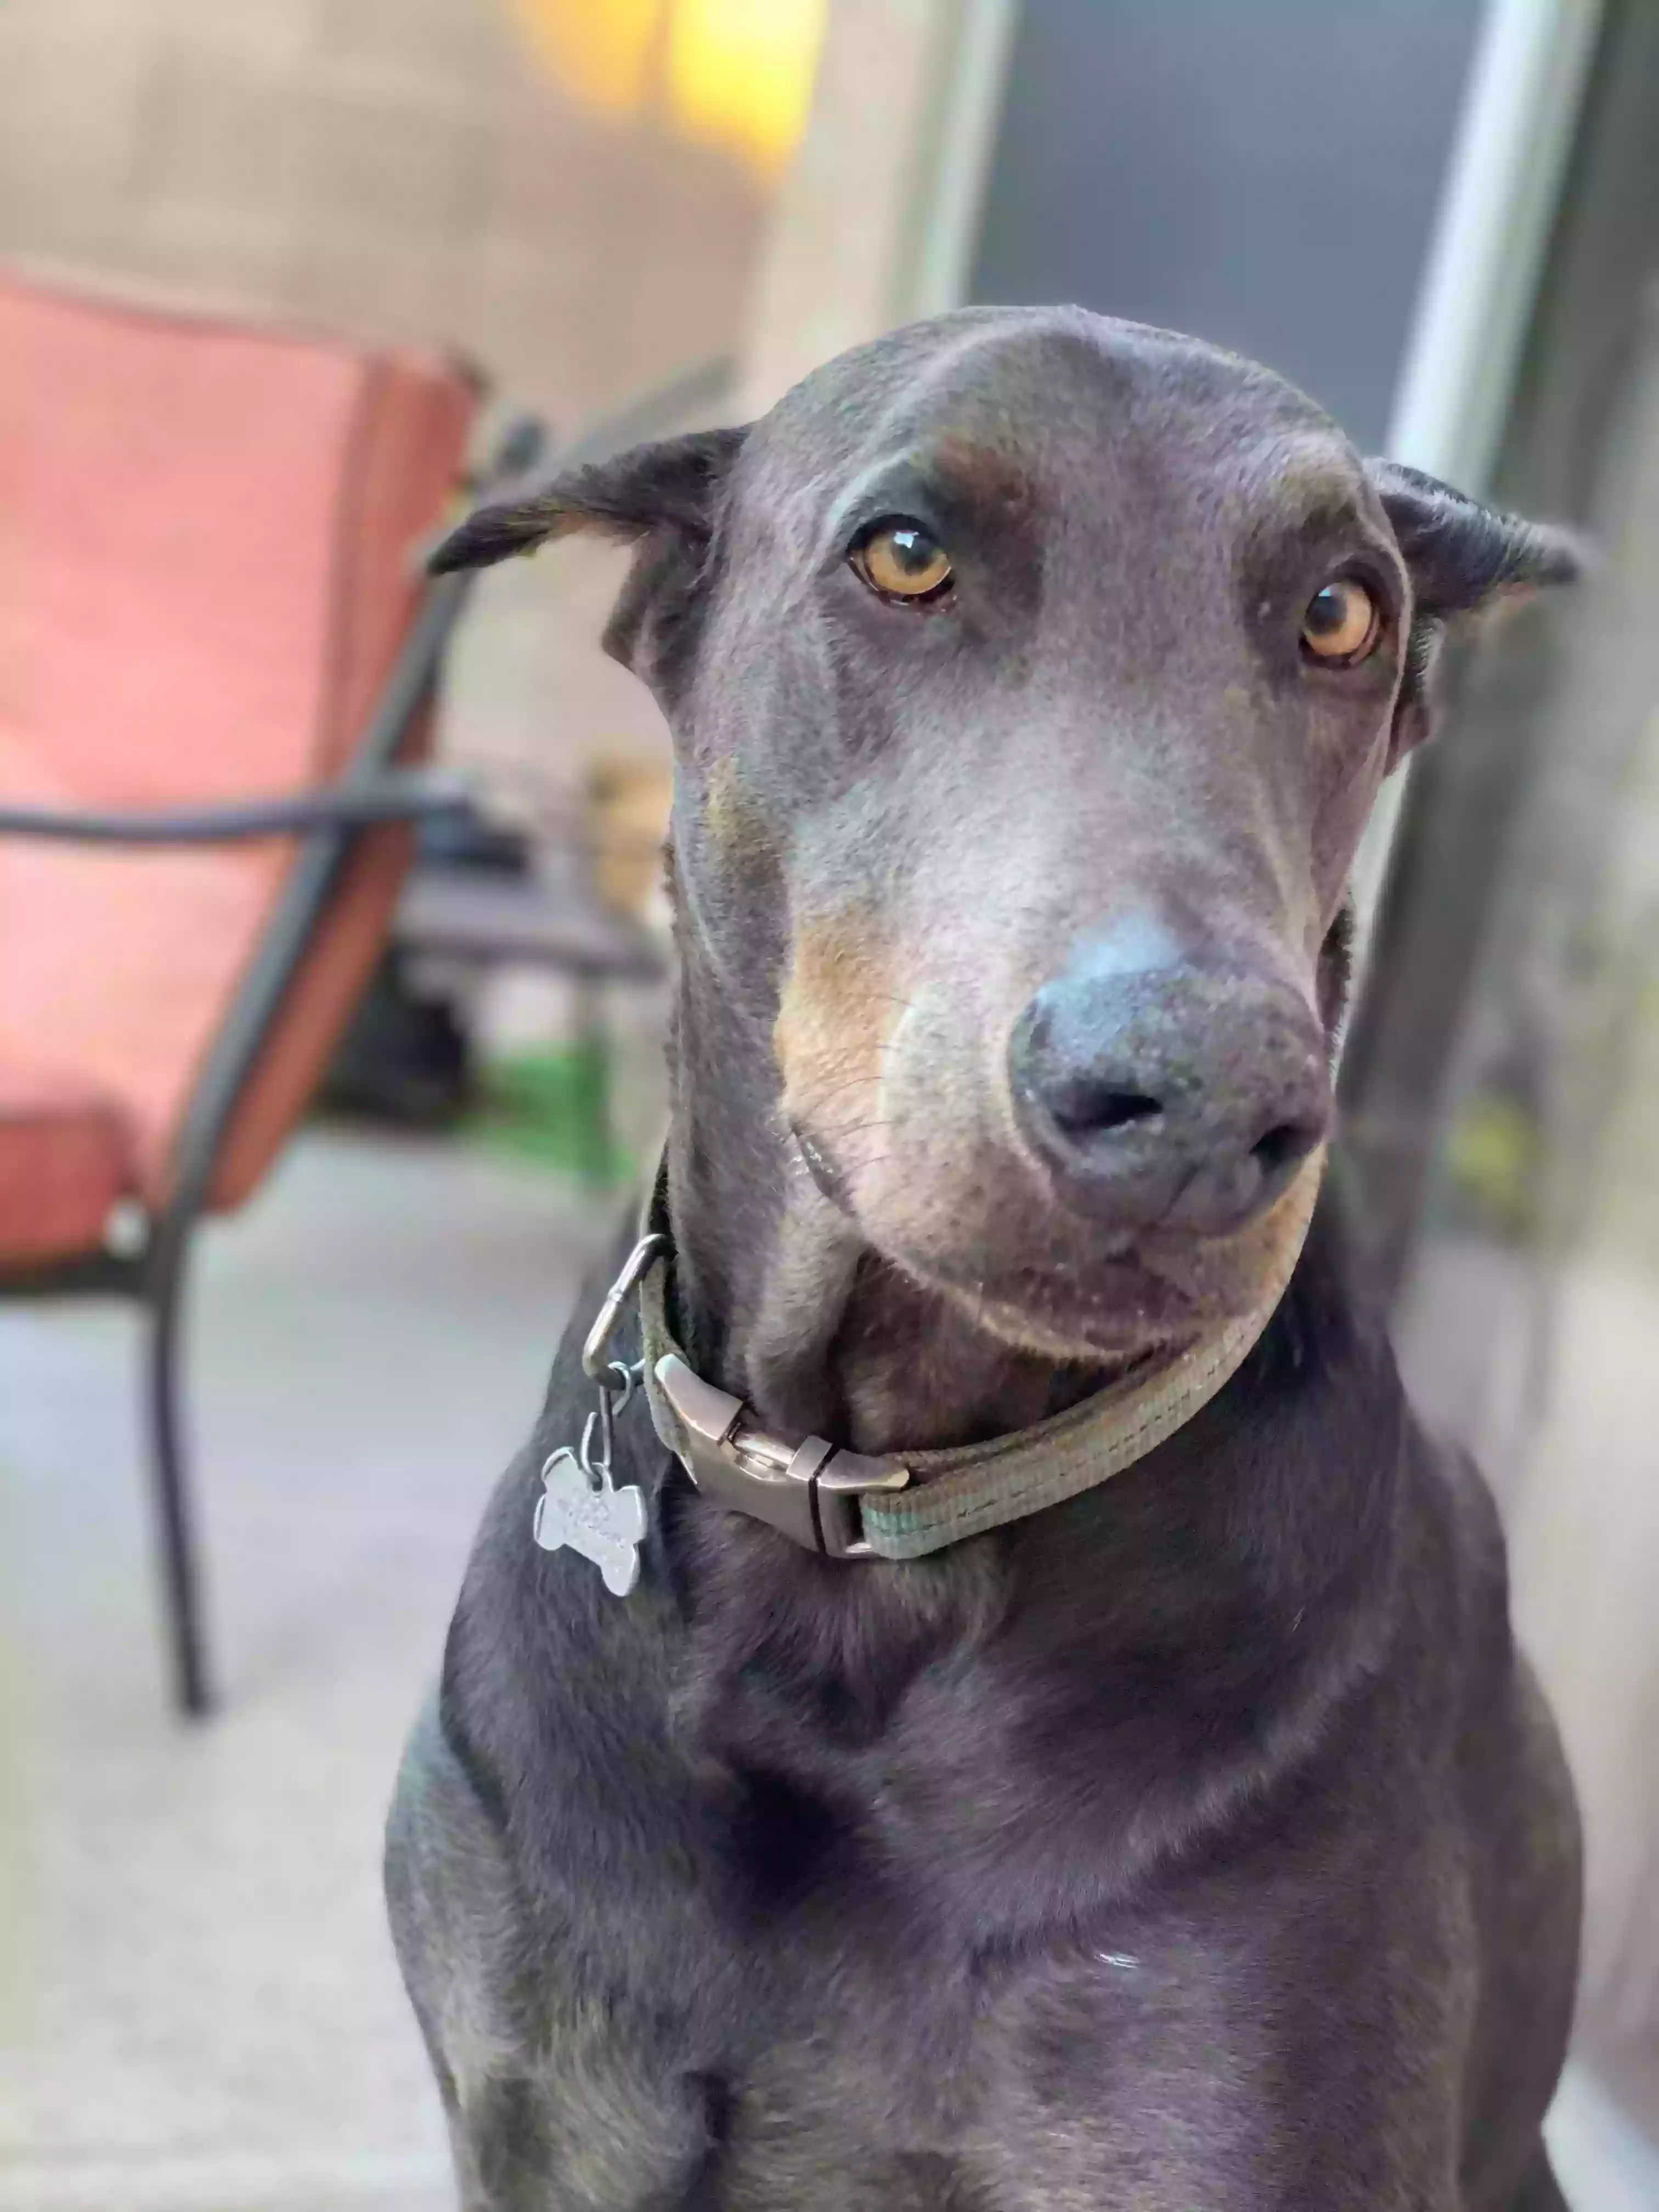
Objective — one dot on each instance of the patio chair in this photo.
(217, 659)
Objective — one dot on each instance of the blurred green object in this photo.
(1493, 1161)
(553, 1106)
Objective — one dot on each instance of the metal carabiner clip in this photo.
(635, 1268)
(612, 1399)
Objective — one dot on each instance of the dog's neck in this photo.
(778, 1296)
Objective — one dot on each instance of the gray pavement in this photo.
(201, 2013)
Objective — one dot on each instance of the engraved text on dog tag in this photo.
(606, 1525)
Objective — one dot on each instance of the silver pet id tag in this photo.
(580, 1505)
(604, 1524)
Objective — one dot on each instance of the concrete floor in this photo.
(201, 2012)
(198, 2007)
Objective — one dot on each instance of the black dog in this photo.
(1197, 1841)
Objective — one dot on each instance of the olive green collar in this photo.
(901, 1505)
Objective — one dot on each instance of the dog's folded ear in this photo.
(667, 497)
(674, 485)
(1463, 557)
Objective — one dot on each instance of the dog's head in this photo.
(1032, 676)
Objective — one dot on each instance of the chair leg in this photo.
(181, 1593)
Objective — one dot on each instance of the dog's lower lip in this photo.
(1119, 1308)
(1123, 1288)
(1129, 1284)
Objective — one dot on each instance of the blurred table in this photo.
(479, 918)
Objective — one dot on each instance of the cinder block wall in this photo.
(393, 169)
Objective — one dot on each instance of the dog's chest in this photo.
(1082, 2073)
(1166, 2058)
(955, 2001)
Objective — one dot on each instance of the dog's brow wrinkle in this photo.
(982, 472)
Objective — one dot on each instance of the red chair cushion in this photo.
(65, 1158)
(205, 533)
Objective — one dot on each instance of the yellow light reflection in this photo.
(602, 51)
(739, 74)
(736, 74)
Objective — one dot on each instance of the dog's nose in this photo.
(1173, 1093)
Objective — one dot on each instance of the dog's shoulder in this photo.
(553, 1701)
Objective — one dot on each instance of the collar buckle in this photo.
(809, 1492)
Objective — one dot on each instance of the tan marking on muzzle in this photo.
(735, 825)
(836, 1010)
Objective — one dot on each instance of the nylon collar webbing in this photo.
(902, 1505)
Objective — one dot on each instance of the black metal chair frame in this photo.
(372, 790)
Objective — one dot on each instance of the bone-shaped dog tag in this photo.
(606, 1525)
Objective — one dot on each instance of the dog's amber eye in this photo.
(1341, 622)
(902, 560)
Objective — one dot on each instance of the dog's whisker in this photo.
(852, 1129)
(861, 1081)
(864, 1079)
